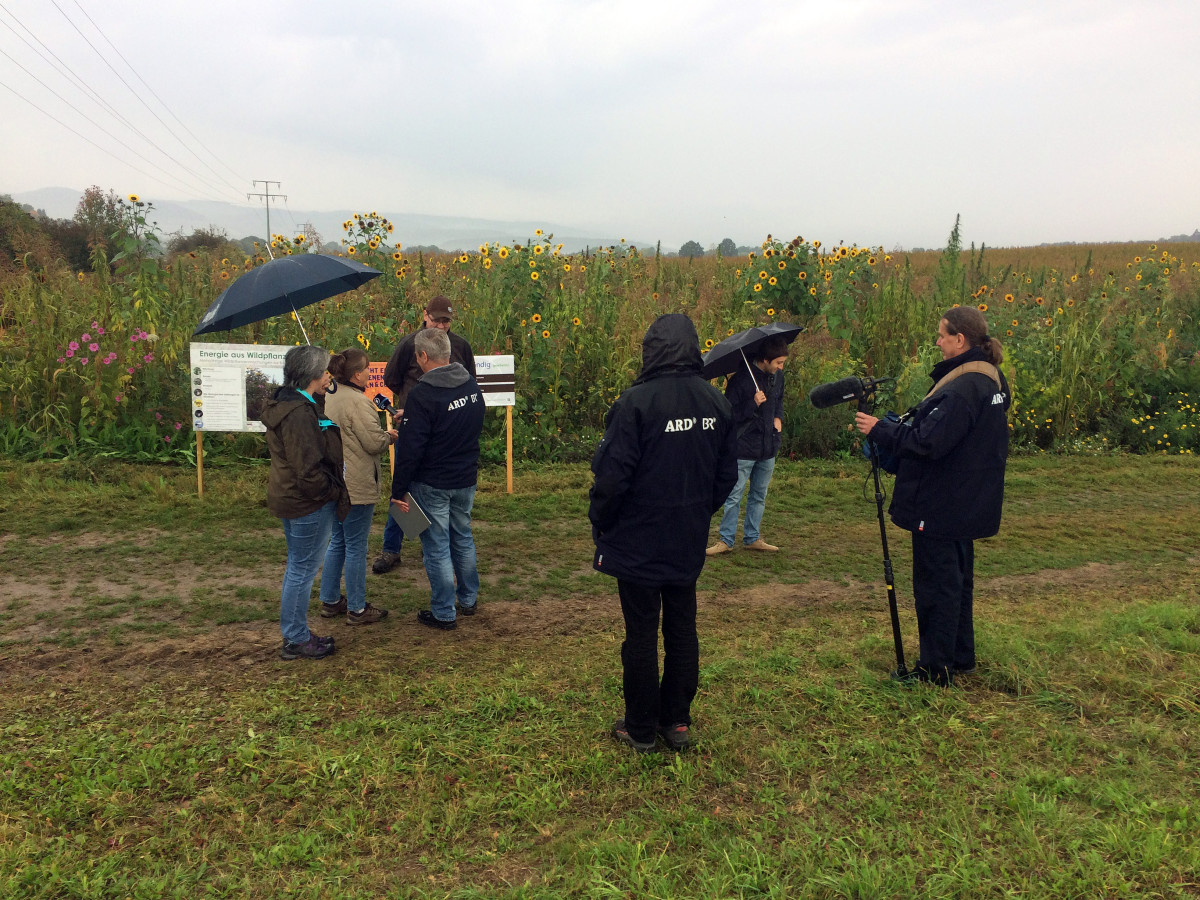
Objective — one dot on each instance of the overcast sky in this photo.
(873, 121)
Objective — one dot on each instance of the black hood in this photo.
(670, 347)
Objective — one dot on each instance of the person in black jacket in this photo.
(401, 375)
(949, 490)
(437, 461)
(665, 464)
(758, 417)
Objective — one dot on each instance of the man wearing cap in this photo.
(401, 374)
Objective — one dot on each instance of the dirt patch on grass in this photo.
(208, 650)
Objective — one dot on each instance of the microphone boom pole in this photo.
(865, 405)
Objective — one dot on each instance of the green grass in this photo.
(152, 744)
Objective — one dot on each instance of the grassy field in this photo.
(153, 745)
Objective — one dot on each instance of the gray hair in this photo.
(434, 343)
(304, 365)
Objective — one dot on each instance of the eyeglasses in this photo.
(442, 321)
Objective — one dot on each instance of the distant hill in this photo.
(446, 232)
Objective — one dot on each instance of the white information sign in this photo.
(497, 379)
(230, 382)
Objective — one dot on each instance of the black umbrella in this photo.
(283, 285)
(732, 352)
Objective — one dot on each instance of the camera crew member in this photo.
(949, 487)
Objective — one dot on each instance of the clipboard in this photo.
(412, 522)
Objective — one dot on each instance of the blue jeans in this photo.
(307, 539)
(393, 534)
(758, 472)
(348, 552)
(448, 547)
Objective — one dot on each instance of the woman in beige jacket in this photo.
(363, 442)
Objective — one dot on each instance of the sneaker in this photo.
(329, 610)
(677, 737)
(622, 735)
(468, 610)
(717, 549)
(313, 648)
(760, 544)
(425, 617)
(368, 616)
(385, 562)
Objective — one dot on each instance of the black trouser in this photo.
(943, 588)
(649, 703)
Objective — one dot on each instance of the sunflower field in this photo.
(1102, 346)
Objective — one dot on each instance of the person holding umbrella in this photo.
(305, 488)
(755, 392)
(362, 443)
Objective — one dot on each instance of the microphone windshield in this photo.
(834, 392)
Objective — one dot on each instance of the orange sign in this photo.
(376, 385)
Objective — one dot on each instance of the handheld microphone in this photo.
(834, 392)
(384, 404)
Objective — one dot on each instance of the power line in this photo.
(99, 126)
(84, 136)
(135, 94)
(166, 107)
(62, 68)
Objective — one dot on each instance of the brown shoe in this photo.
(385, 562)
(760, 544)
(369, 616)
(717, 549)
(329, 610)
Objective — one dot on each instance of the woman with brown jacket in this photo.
(363, 441)
(305, 489)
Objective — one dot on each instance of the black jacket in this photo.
(439, 432)
(666, 463)
(952, 453)
(402, 372)
(755, 425)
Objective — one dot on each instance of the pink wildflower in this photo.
(130, 370)
(158, 416)
(74, 345)
(178, 425)
(133, 338)
(85, 337)
(83, 360)
(167, 438)
(94, 325)
(99, 331)
(94, 347)
(70, 352)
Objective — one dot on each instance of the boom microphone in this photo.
(834, 392)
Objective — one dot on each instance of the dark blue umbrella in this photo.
(283, 285)
(731, 352)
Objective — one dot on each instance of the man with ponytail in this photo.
(952, 448)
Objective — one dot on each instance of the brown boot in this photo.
(760, 544)
(369, 616)
(717, 549)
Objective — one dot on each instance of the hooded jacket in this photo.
(666, 463)
(757, 437)
(439, 432)
(306, 460)
(402, 373)
(363, 440)
(952, 453)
